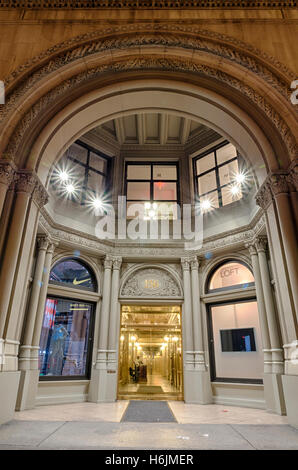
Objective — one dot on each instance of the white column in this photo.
(24, 188)
(261, 308)
(105, 312)
(187, 308)
(199, 355)
(25, 349)
(276, 350)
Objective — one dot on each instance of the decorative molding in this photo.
(25, 182)
(264, 195)
(164, 35)
(117, 261)
(279, 182)
(146, 4)
(151, 282)
(42, 242)
(7, 171)
(261, 243)
(40, 195)
(108, 262)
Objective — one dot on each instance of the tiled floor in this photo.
(98, 426)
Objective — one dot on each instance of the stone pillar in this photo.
(24, 188)
(261, 309)
(25, 349)
(201, 386)
(99, 381)
(7, 170)
(114, 331)
(29, 354)
(276, 350)
(281, 192)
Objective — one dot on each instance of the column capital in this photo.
(261, 243)
(279, 183)
(7, 171)
(276, 183)
(40, 195)
(51, 246)
(293, 175)
(108, 262)
(185, 263)
(251, 248)
(194, 263)
(25, 181)
(42, 242)
(117, 261)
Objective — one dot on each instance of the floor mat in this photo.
(148, 412)
(149, 389)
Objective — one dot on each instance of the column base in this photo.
(273, 392)
(197, 387)
(27, 390)
(103, 386)
(9, 383)
(290, 388)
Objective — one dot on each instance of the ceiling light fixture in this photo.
(63, 175)
(70, 188)
(240, 178)
(235, 190)
(206, 205)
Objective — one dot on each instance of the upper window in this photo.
(154, 187)
(73, 273)
(218, 176)
(231, 275)
(82, 174)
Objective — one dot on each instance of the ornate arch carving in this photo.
(151, 281)
(188, 38)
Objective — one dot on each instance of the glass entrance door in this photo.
(150, 353)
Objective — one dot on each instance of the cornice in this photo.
(144, 4)
(228, 240)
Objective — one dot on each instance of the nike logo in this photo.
(76, 283)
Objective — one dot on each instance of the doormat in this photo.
(148, 412)
(149, 389)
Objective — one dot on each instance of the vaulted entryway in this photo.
(150, 353)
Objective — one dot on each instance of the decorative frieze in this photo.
(151, 282)
(40, 195)
(280, 182)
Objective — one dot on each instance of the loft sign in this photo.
(229, 272)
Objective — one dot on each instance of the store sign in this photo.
(226, 272)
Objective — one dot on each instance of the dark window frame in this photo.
(90, 341)
(207, 289)
(216, 168)
(87, 167)
(152, 181)
(210, 332)
(85, 265)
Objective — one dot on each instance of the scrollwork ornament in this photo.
(264, 196)
(108, 262)
(40, 195)
(117, 260)
(261, 243)
(6, 173)
(42, 243)
(279, 183)
(26, 182)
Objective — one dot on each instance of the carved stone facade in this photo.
(151, 282)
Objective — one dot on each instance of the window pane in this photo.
(138, 172)
(72, 273)
(78, 152)
(231, 274)
(228, 196)
(138, 191)
(98, 163)
(228, 172)
(96, 182)
(226, 153)
(64, 338)
(207, 182)
(164, 172)
(77, 173)
(237, 341)
(136, 209)
(205, 163)
(165, 191)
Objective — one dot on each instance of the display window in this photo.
(235, 344)
(66, 339)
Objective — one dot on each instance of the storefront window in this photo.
(74, 274)
(230, 276)
(65, 338)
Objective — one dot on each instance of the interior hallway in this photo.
(98, 426)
